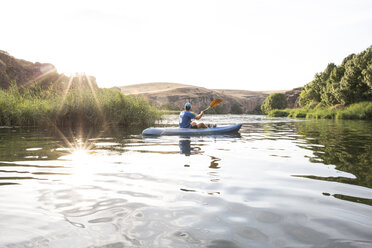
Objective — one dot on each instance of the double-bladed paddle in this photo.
(214, 103)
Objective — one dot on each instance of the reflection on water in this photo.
(345, 144)
(185, 146)
(279, 183)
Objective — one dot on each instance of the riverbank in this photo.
(74, 108)
(356, 111)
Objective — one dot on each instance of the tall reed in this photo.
(77, 107)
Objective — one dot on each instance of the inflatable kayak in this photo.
(192, 131)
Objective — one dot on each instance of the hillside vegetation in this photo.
(348, 83)
(360, 111)
(74, 108)
(274, 101)
(339, 92)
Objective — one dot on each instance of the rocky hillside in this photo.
(174, 96)
(27, 74)
(23, 72)
(293, 97)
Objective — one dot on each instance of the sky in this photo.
(217, 44)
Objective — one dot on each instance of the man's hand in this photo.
(199, 115)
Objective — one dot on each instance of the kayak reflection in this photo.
(185, 147)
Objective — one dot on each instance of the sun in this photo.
(79, 156)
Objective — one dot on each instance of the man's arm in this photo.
(199, 115)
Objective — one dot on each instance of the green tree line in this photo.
(348, 83)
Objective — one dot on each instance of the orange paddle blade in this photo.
(215, 102)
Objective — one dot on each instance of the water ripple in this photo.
(280, 183)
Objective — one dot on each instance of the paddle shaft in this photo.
(206, 109)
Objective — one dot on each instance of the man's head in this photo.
(188, 106)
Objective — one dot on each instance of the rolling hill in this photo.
(174, 96)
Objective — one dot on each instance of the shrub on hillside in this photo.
(274, 101)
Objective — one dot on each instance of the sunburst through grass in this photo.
(75, 108)
(76, 102)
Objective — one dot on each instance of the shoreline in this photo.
(356, 111)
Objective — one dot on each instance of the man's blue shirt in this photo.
(185, 119)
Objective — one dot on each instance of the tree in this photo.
(367, 73)
(330, 97)
(236, 109)
(257, 110)
(274, 101)
(352, 86)
(348, 83)
(318, 90)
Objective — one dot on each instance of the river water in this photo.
(278, 183)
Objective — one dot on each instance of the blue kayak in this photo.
(192, 131)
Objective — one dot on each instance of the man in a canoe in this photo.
(186, 116)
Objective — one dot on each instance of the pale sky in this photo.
(217, 44)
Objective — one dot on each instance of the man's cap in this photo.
(188, 105)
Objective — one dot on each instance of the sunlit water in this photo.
(279, 183)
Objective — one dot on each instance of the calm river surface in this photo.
(279, 183)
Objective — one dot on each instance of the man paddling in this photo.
(186, 116)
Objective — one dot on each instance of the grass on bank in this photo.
(356, 111)
(78, 107)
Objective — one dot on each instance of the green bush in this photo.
(274, 101)
(236, 109)
(361, 110)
